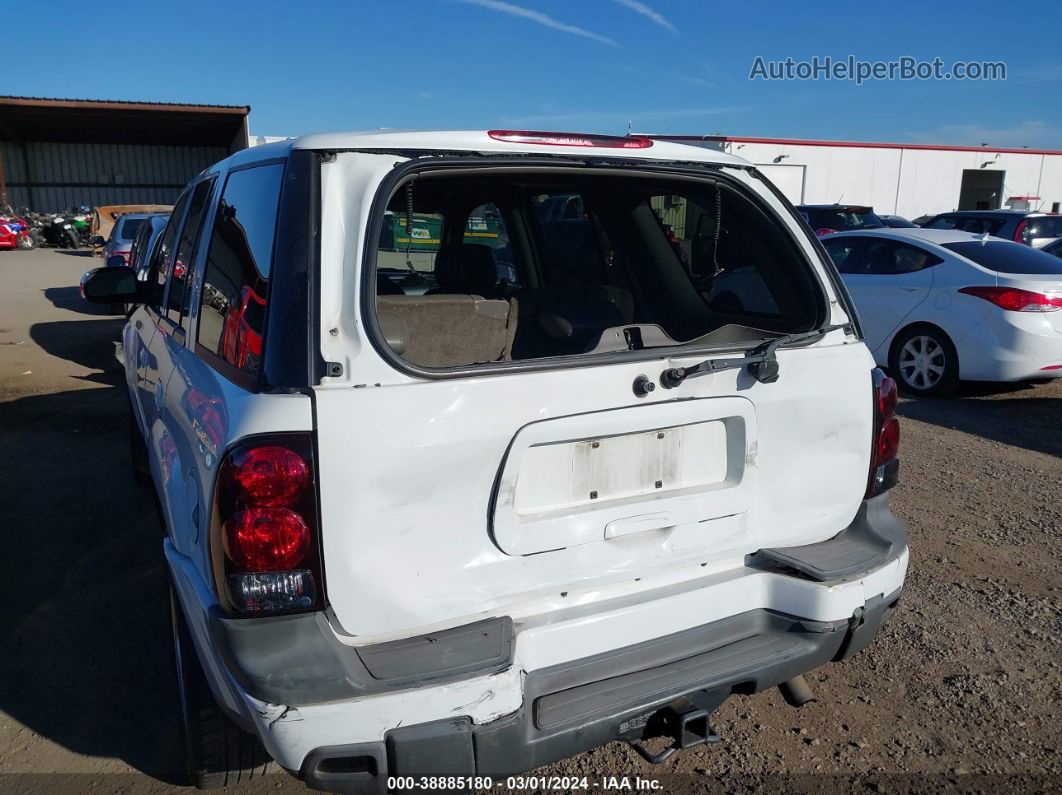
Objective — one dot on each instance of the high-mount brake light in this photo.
(543, 138)
(825, 231)
(884, 464)
(265, 538)
(1013, 299)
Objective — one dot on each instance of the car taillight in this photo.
(570, 139)
(1019, 232)
(825, 231)
(884, 464)
(1014, 300)
(265, 532)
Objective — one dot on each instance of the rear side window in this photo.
(161, 259)
(889, 258)
(1003, 256)
(180, 283)
(239, 259)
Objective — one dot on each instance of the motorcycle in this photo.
(59, 231)
(19, 228)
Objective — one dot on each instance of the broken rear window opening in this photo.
(492, 267)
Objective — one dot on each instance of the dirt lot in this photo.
(961, 691)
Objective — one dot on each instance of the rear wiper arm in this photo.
(761, 360)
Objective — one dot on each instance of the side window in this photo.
(486, 227)
(161, 258)
(177, 297)
(944, 222)
(572, 238)
(887, 258)
(236, 281)
(399, 249)
(842, 252)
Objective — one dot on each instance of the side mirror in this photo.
(97, 241)
(115, 261)
(112, 286)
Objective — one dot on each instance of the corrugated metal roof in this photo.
(126, 104)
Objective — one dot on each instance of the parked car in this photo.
(1032, 229)
(939, 306)
(824, 219)
(120, 241)
(471, 532)
(145, 239)
(897, 222)
(103, 218)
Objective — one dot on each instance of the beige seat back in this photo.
(447, 330)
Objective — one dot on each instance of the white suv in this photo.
(476, 450)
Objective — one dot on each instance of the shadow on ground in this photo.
(69, 298)
(88, 343)
(1024, 420)
(75, 252)
(84, 633)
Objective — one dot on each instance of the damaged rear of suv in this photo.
(533, 442)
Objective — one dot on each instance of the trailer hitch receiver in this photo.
(684, 722)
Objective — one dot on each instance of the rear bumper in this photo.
(580, 705)
(517, 697)
(1011, 346)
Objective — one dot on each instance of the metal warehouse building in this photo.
(902, 179)
(61, 153)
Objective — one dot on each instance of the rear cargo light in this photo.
(1014, 300)
(884, 464)
(265, 537)
(570, 139)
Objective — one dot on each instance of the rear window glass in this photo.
(841, 219)
(976, 224)
(128, 227)
(1006, 257)
(538, 266)
(1048, 226)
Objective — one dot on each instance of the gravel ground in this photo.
(959, 692)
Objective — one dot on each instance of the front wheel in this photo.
(218, 752)
(925, 362)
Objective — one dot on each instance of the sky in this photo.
(659, 66)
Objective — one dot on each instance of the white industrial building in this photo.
(902, 179)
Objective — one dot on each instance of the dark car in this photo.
(1032, 229)
(897, 222)
(826, 219)
(1054, 247)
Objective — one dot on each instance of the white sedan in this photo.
(938, 305)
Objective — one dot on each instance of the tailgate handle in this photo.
(638, 524)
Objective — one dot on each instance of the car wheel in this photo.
(925, 362)
(218, 752)
(138, 454)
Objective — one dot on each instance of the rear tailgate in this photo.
(444, 500)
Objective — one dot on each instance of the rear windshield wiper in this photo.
(761, 360)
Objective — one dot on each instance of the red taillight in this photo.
(1014, 300)
(265, 537)
(825, 231)
(270, 475)
(1019, 232)
(570, 139)
(884, 464)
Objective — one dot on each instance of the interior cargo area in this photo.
(494, 267)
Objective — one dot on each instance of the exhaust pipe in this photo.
(796, 692)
